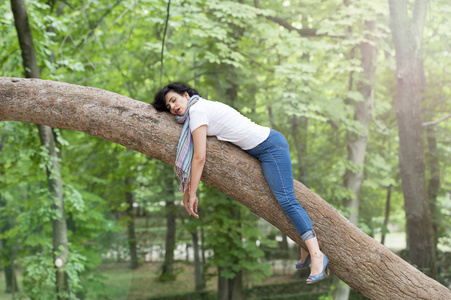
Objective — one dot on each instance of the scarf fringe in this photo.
(184, 180)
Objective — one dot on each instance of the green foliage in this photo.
(289, 80)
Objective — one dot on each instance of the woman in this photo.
(202, 117)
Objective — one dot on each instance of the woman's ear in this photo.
(186, 95)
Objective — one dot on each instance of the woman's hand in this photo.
(197, 165)
(190, 202)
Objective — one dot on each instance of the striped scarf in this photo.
(185, 147)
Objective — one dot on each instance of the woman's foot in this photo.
(319, 268)
(305, 260)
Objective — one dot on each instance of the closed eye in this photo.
(170, 100)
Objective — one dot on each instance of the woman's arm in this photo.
(197, 166)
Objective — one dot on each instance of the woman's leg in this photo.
(316, 256)
(274, 155)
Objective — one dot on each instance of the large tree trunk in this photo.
(60, 242)
(360, 261)
(407, 38)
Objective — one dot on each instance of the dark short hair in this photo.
(180, 88)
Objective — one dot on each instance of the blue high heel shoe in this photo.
(320, 276)
(306, 263)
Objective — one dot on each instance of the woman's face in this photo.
(175, 103)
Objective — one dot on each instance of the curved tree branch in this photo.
(304, 32)
(433, 123)
(356, 258)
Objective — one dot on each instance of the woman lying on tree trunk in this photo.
(202, 118)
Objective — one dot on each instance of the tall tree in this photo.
(55, 184)
(131, 233)
(6, 246)
(356, 146)
(168, 271)
(434, 179)
(199, 278)
(410, 80)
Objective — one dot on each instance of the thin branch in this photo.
(373, 117)
(305, 32)
(164, 37)
(120, 17)
(433, 123)
(91, 31)
(82, 13)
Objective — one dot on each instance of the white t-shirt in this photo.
(226, 124)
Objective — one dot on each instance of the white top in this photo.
(226, 124)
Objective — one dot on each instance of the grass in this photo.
(142, 283)
(122, 283)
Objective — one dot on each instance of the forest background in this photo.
(324, 73)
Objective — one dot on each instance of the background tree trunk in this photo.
(223, 286)
(168, 272)
(60, 242)
(7, 246)
(359, 260)
(131, 233)
(407, 38)
(300, 143)
(236, 291)
(233, 286)
(387, 213)
(434, 180)
(353, 177)
(199, 279)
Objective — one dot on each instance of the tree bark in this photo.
(407, 38)
(132, 241)
(60, 241)
(360, 261)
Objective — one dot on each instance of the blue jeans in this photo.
(274, 155)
